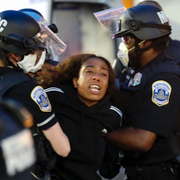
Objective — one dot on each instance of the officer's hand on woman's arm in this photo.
(132, 139)
(59, 140)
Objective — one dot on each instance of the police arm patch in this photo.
(161, 91)
(40, 98)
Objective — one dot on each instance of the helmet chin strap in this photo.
(9, 63)
(135, 62)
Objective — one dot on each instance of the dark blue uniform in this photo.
(22, 88)
(172, 50)
(151, 101)
(17, 152)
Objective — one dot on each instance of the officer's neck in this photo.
(147, 56)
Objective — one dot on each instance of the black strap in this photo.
(136, 25)
(159, 26)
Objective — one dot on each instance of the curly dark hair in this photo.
(65, 71)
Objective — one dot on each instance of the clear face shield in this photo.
(110, 18)
(119, 23)
(47, 38)
(53, 44)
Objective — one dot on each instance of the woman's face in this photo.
(93, 80)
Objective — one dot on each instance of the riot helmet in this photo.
(39, 18)
(54, 45)
(19, 33)
(144, 22)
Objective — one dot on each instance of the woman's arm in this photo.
(59, 140)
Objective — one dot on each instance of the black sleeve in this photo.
(34, 98)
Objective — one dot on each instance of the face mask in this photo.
(123, 54)
(41, 61)
(27, 64)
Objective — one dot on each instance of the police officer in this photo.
(172, 49)
(53, 51)
(20, 39)
(17, 152)
(149, 96)
(173, 46)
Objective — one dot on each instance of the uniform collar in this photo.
(4, 70)
(159, 58)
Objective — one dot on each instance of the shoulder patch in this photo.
(40, 98)
(136, 80)
(161, 91)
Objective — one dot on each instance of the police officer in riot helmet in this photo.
(21, 40)
(52, 58)
(149, 97)
(17, 152)
(172, 49)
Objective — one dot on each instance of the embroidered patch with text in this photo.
(161, 91)
(40, 98)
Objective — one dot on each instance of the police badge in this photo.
(161, 91)
(41, 99)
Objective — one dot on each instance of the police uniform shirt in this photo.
(172, 50)
(153, 104)
(34, 98)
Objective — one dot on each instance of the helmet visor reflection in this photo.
(109, 18)
(49, 40)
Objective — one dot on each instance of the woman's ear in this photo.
(75, 83)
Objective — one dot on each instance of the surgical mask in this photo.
(28, 62)
(123, 53)
(41, 61)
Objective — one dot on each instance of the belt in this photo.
(151, 170)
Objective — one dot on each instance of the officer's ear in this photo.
(15, 56)
(145, 44)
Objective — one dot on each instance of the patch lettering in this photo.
(3, 24)
(161, 91)
(162, 17)
(40, 98)
(18, 152)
